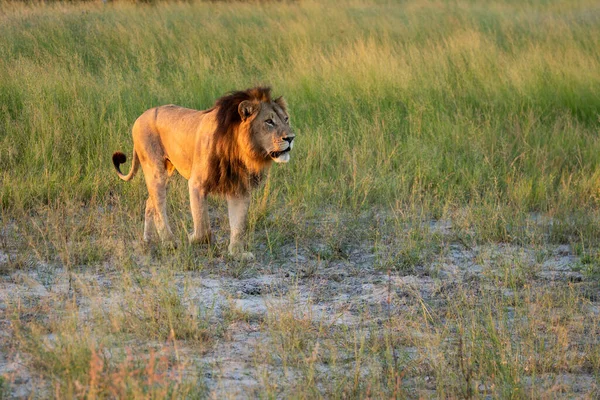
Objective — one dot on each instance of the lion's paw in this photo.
(246, 256)
(169, 244)
(236, 251)
(206, 239)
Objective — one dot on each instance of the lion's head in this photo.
(269, 124)
(252, 131)
(263, 125)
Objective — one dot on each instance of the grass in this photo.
(476, 347)
(455, 104)
(409, 117)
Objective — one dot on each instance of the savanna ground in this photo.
(435, 235)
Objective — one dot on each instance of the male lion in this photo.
(222, 150)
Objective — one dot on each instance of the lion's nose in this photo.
(288, 139)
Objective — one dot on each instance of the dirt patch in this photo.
(346, 292)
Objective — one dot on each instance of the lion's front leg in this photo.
(201, 233)
(238, 214)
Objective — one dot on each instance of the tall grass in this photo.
(450, 103)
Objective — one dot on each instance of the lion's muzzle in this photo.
(277, 154)
(283, 156)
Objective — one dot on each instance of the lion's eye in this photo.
(287, 119)
(270, 122)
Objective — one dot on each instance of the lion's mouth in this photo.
(277, 154)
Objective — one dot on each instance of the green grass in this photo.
(449, 104)
(485, 115)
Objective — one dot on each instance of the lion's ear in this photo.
(280, 101)
(246, 109)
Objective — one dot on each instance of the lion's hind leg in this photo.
(149, 225)
(156, 206)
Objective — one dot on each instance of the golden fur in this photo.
(222, 150)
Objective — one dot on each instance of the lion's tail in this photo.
(120, 158)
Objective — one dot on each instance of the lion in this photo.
(224, 150)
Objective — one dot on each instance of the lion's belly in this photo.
(177, 129)
(180, 156)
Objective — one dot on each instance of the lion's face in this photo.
(271, 131)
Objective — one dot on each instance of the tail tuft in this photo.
(118, 159)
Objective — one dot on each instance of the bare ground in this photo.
(352, 290)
